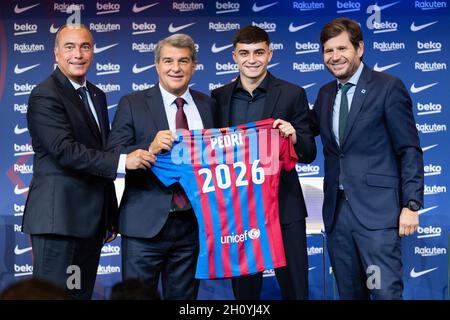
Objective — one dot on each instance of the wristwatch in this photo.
(413, 205)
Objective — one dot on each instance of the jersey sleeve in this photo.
(166, 170)
(288, 156)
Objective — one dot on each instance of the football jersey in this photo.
(231, 178)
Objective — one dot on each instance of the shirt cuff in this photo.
(122, 163)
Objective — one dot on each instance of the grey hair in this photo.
(178, 40)
(71, 26)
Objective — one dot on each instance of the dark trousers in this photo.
(292, 279)
(366, 263)
(53, 254)
(171, 254)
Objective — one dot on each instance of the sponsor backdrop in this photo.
(408, 39)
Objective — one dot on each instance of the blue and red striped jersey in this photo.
(231, 178)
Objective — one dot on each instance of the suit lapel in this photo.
(155, 105)
(69, 92)
(329, 103)
(225, 111)
(272, 97)
(358, 99)
(101, 111)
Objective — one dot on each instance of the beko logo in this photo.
(106, 8)
(23, 89)
(386, 26)
(18, 10)
(227, 7)
(23, 168)
(109, 87)
(143, 47)
(212, 86)
(306, 47)
(187, 7)
(347, 6)
(431, 128)
(308, 6)
(415, 28)
(266, 26)
(62, 7)
(307, 67)
(141, 28)
(430, 252)
(22, 270)
(28, 48)
(427, 47)
(108, 68)
(104, 27)
(141, 86)
(430, 66)
(388, 46)
(428, 232)
(307, 170)
(22, 108)
(22, 149)
(432, 170)
(226, 68)
(223, 27)
(18, 210)
(108, 269)
(428, 108)
(22, 29)
(109, 250)
(430, 5)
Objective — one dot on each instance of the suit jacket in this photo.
(72, 190)
(145, 203)
(288, 102)
(380, 158)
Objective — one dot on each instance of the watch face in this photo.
(414, 206)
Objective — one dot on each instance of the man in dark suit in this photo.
(158, 226)
(373, 167)
(71, 203)
(258, 95)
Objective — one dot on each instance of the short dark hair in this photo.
(337, 26)
(251, 34)
(34, 289)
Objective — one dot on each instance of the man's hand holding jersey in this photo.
(286, 129)
(162, 141)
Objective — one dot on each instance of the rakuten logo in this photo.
(431, 128)
(307, 67)
(187, 7)
(308, 6)
(22, 108)
(23, 168)
(63, 7)
(143, 47)
(433, 190)
(430, 252)
(28, 48)
(223, 27)
(108, 87)
(428, 232)
(388, 46)
(430, 66)
(108, 269)
(253, 234)
(430, 5)
(314, 251)
(212, 86)
(104, 27)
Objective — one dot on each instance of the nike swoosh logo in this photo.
(18, 70)
(136, 69)
(415, 89)
(429, 147)
(18, 251)
(20, 10)
(415, 274)
(112, 106)
(306, 86)
(257, 8)
(98, 50)
(311, 268)
(215, 49)
(381, 69)
(173, 29)
(427, 209)
(18, 190)
(415, 28)
(137, 9)
(53, 29)
(388, 5)
(18, 130)
(303, 26)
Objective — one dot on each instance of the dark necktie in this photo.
(82, 91)
(180, 118)
(180, 200)
(343, 110)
